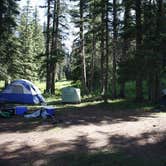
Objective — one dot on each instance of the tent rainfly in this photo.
(21, 91)
(71, 95)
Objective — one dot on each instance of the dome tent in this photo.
(71, 95)
(21, 91)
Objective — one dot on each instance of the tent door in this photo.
(17, 89)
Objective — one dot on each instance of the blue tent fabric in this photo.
(29, 93)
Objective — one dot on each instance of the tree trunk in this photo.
(122, 90)
(53, 50)
(93, 51)
(102, 47)
(82, 52)
(7, 82)
(157, 71)
(126, 43)
(139, 58)
(114, 51)
(157, 87)
(53, 79)
(107, 52)
(92, 63)
(54, 47)
(149, 85)
(48, 76)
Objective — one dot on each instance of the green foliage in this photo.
(8, 42)
(23, 54)
(13, 63)
(32, 45)
(19, 45)
(92, 35)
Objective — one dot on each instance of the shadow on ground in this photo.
(89, 113)
(120, 151)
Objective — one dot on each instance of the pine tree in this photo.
(157, 51)
(8, 14)
(79, 21)
(54, 35)
(38, 43)
(139, 56)
(126, 35)
(105, 48)
(92, 40)
(94, 37)
(26, 40)
(107, 51)
(114, 54)
(48, 72)
(32, 43)
(54, 44)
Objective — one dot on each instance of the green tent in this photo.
(71, 95)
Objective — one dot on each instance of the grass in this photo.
(122, 104)
(106, 157)
(1, 84)
(58, 88)
(119, 104)
(130, 89)
(125, 104)
(91, 100)
(58, 85)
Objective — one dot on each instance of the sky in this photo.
(42, 16)
(36, 3)
(33, 2)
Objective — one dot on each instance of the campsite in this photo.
(89, 133)
(82, 83)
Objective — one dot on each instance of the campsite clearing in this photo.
(86, 135)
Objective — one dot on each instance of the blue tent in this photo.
(23, 92)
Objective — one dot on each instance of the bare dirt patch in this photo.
(89, 129)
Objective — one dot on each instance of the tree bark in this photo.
(157, 70)
(48, 76)
(93, 51)
(102, 49)
(54, 47)
(122, 90)
(7, 82)
(139, 58)
(126, 43)
(107, 52)
(114, 51)
(82, 51)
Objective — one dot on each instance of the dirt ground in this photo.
(89, 129)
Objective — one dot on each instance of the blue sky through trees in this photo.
(42, 16)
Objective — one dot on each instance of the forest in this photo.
(116, 42)
(113, 52)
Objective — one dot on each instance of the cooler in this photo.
(20, 110)
(50, 110)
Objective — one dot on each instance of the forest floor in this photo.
(89, 134)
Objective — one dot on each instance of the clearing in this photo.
(86, 134)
